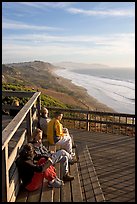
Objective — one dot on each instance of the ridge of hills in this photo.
(30, 73)
(77, 65)
(39, 76)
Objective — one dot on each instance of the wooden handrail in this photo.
(11, 128)
(95, 118)
(91, 112)
(29, 112)
(18, 93)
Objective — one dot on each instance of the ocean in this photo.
(114, 87)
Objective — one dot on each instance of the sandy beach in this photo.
(80, 95)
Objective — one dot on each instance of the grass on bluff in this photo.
(45, 99)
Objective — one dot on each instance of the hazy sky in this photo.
(88, 32)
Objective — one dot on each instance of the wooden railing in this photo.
(29, 114)
(116, 123)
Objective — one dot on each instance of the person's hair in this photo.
(57, 113)
(15, 102)
(35, 133)
(43, 110)
(27, 151)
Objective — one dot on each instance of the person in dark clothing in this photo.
(33, 174)
(13, 112)
(61, 155)
(44, 119)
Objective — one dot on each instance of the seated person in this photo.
(32, 174)
(59, 156)
(57, 135)
(12, 111)
(44, 119)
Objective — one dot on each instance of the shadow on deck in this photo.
(106, 166)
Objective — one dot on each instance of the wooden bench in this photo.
(70, 192)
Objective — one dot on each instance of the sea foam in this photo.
(115, 93)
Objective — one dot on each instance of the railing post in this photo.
(38, 106)
(29, 125)
(87, 123)
(5, 175)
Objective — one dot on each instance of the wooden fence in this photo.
(29, 114)
(116, 123)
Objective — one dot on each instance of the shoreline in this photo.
(81, 94)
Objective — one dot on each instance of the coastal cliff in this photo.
(40, 76)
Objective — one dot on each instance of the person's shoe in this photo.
(72, 154)
(55, 184)
(68, 177)
(62, 182)
(73, 161)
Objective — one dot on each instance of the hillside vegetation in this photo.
(31, 73)
(45, 100)
(38, 76)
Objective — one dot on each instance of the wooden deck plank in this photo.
(114, 161)
(57, 191)
(88, 194)
(75, 184)
(22, 196)
(65, 190)
(34, 196)
(47, 193)
(93, 177)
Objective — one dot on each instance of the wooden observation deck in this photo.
(105, 142)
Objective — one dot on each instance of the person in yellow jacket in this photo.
(56, 134)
